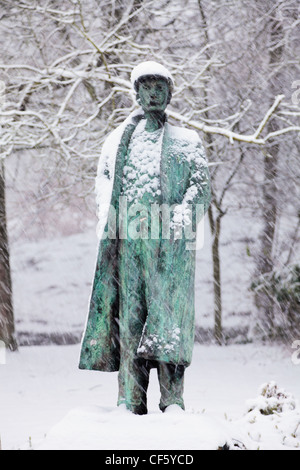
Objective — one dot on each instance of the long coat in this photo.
(168, 333)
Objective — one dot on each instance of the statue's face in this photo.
(153, 94)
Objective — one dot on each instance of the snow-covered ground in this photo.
(47, 403)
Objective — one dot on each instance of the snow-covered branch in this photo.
(65, 96)
(253, 138)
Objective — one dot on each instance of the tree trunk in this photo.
(215, 226)
(7, 328)
(265, 302)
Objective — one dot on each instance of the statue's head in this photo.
(153, 84)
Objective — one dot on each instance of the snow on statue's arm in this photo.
(198, 194)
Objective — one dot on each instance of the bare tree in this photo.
(269, 133)
(67, 65)
(280, 20)
(7, 329)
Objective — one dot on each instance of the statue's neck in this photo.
(154, 120)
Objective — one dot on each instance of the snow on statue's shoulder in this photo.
(181, 133)
(113, 140)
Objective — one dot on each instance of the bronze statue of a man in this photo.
(152, 189)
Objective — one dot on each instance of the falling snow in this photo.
(59, 96)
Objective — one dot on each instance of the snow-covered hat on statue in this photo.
(150, 69)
